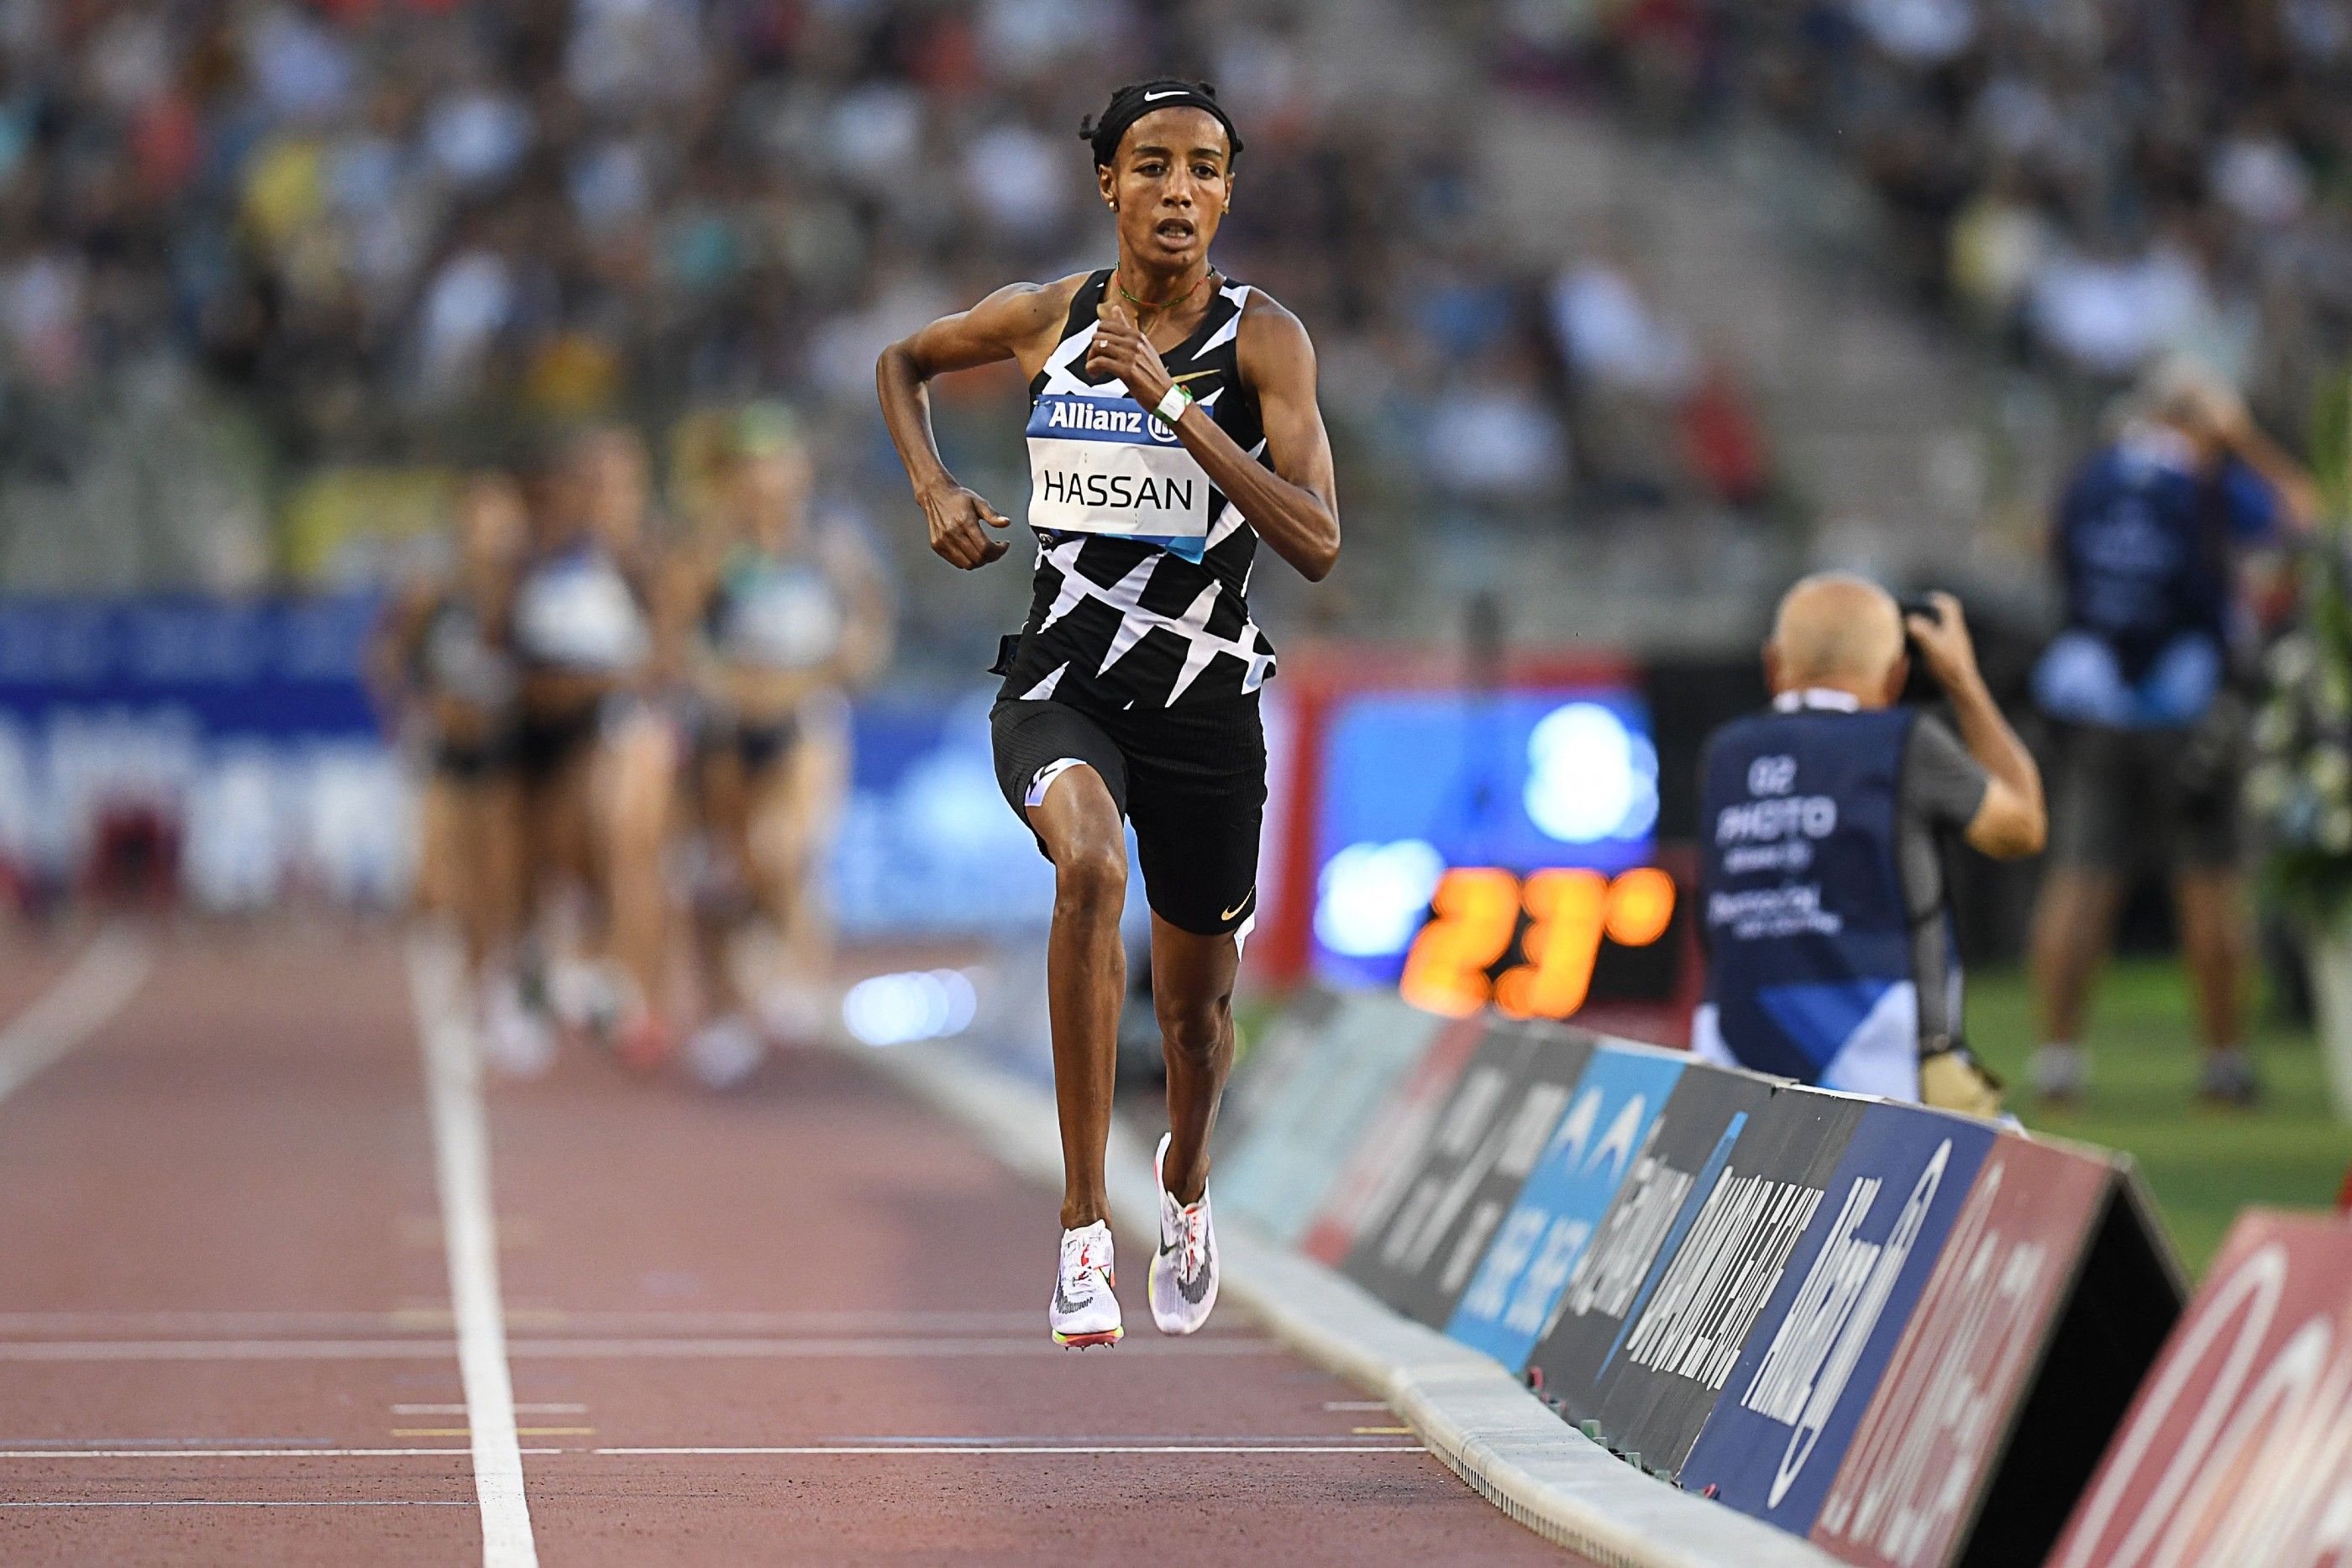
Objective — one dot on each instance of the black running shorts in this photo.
(1189, 779)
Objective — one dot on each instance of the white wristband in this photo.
(1172, 407)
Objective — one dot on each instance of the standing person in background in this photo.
(445, 653)
(2147, 538)
(598, 762)
(1823, 824)
(781, 619)
(1172, 426)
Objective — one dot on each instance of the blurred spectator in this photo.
(2147, 538)
(1613, 336)
(1494, 439)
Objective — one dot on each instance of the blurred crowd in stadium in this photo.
(404, 228)
(2089, 182)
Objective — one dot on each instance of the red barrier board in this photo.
(1925, 1454)
(2237, 1450)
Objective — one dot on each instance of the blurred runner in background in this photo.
(598, 761)
(779, 618)
(2147, 538)
(444, 655)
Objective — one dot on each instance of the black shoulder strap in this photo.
(1086, 304)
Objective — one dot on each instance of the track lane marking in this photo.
(461, 1150)
(239, 1453)
(242, 1502)
(75, 1006)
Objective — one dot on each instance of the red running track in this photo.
(226, 1333)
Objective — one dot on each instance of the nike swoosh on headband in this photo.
(1156, 97)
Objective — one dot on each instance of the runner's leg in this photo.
(1078, 822)
(639, 769)
(796, 801)
(1192, 993)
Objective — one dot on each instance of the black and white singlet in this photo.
(458, 659)
(575, 611)
(1141, 597)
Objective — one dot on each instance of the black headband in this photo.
(1131, 104)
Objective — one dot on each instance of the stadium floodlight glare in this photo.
(924, 1004)
(1370, 897)
(1590, 777)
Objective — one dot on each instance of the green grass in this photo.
(2205, 1165)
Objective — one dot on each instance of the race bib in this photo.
(1103, 465)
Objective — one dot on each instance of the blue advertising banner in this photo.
(927, 845)
(1773, 1443)
(1513, 1298)
(238, 729)
(277, 668)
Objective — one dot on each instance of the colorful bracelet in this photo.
(1173, 406)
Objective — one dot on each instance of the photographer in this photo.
(2147, 538)
(1824, 823)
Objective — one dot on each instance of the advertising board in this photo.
(1664, 1298)
(1495, 1125)
(1926, 1452)
(1812, 1363)
(1512, 1297)
(1376, 1176)
(2238, 1449)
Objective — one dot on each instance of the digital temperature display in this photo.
(1529, 947)
(1477, 848)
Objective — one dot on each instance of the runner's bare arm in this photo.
(392, 654)
(1007, 325)
(1295, 507)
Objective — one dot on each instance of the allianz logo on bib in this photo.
(1099, 418)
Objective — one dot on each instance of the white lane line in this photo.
(237, 1453)
(74, 1006)
(461, 1149)
(967, 1451)
(1034, 1346)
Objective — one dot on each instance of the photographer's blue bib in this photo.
(2145, 545)
(1809, 971)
